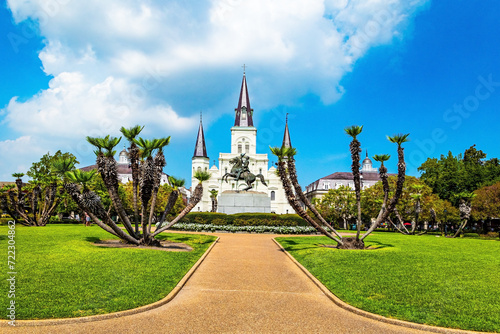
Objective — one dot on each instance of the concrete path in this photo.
(245, 285)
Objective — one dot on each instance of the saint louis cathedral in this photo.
(243, 141)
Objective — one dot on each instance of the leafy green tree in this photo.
(486, 204)
(338, 205)
(452, 175)
(41, 195)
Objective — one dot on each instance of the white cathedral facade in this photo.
(243, 140)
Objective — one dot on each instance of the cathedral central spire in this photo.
(244, 113)
(200, 149)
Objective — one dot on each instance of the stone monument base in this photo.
(230, 202)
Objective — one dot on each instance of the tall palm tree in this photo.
(159, 163)
(281, 153)
(196, 196)
(355, 147)
(399, 139)
(385, 186)
(106, 166)
(134, 155)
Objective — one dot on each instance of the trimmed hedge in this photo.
(244, 219)
(245, 229)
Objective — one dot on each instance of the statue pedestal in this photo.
(230, 202)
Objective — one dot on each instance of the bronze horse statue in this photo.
(240, 171)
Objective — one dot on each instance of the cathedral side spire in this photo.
(200, 149)
(286, 137)
(244, 112)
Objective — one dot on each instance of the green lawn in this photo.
(424, 279)
(60, 273)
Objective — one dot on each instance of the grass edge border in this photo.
(113, 315)
(367, 314)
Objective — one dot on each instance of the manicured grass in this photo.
(60, 273)
(424, 279)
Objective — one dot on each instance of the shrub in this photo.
(244, 219)
(247, 228)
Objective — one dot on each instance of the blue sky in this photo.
(428, 68)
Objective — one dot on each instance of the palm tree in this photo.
(465, 207)
(159, 163)
(385, 185)
(399, 139)
(355, 147)
(196, 196)
(106, 166)
(281, 153)
(5, 195)
(213, 197)
(172, 198)
(91, 204)
(417, 197)
(134, 155)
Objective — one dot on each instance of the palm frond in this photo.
(353, 130)
(381, 157)
(175, 182)
(132, 132)
(202, 176)
(399, 138)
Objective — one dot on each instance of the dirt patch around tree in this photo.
(166, 246)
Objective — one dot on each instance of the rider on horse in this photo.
(245, 160)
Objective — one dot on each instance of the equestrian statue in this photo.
(240, 171)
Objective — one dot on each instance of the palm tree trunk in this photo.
(397, 194)
(355, 150)
(385, 184)
(195, 198)
(107, 168)
(159, 163)
(292, 172)
(134, 164)
(296, 206)
(457, 233)
(97, 212)
(172, 198)
(395, 226)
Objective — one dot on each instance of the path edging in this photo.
(367, 314)
(99, 317)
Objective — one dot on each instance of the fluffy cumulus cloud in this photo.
(122, 62)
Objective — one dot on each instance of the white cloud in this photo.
(16, 156)
(126, 62)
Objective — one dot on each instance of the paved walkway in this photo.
(245, 285)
